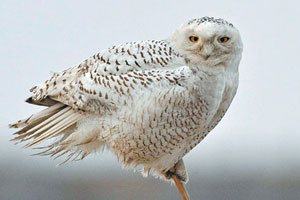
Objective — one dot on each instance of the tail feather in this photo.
(29, 126)
(38, 126)
(60, 121)
(56, 129)
(36, 117)
(46, 124)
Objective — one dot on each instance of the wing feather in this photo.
(112, 76)
(107, 81)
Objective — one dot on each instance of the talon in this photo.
(181, 188)
(179, 182)
(169, 174)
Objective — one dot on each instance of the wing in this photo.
(104, 82)
(112, 76)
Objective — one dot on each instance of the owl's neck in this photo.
(228, 67)
(214, 78)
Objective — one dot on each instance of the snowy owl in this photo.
(149, 102)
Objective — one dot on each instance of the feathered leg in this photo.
(180, 177)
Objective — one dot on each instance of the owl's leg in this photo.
(180, 177)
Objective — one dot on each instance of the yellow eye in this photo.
(223, 39)
(194, 39)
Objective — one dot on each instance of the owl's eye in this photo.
(223, 39)
(194, 39)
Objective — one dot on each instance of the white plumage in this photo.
(150, 102)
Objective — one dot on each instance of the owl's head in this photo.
(207, 41)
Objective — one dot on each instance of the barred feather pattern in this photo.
(146, 101)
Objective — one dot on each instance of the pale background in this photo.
(252, 154)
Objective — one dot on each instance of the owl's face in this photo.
(207, 41)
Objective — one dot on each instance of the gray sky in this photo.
(260, 132)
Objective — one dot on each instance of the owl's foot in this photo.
(169, 174)
(179, 176)
(181, 188)
(179, 170)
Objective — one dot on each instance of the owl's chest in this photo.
(209, 95)
(216, 100)
(226, 99)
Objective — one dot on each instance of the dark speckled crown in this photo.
(211, 20)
